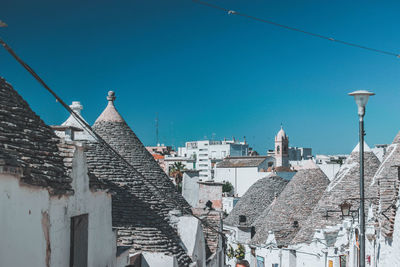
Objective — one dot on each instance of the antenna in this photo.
(157, 139)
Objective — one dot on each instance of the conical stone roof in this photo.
(257, 198)
(387, 180)
(290, 210)
(139, 213)
(27, 142)
(344, 187)
(114, 130)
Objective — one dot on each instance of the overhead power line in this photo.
(97, 137)
(232, 12)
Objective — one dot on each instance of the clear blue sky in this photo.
(207, 72)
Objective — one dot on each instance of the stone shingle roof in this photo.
(114, 130)
(295, 203)
(26, 141)
(343, 187)
(139, 212)
(238, 162)
(387, 179)
(256, 199)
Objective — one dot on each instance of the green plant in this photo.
(176, 172)
(227, 187)
(237, 253)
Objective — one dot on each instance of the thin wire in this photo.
(101, 141)
(232, 12)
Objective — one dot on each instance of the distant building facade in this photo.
(242, 172)
(299, 153)
(207, 153)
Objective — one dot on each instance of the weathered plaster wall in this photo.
(22, 241)
(101, 238)
(212, 192)
(35, 228)
(240, 178)
(191, 234)
(389, 250)
(190, 188)
(158, 259)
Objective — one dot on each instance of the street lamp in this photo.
(361, 98)
(345, 208)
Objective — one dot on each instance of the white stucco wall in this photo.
(22, 241)
(240, 178)
(101, 238)
(158, 259)
(190, 188)
(35, 228)
(389, 252)
(191, 234)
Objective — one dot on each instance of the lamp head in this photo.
(345, 208)
(361, 98)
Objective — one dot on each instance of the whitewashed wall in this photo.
(101, 238)
(158, 259)
(190, 188)
(22, 208)
(240, 178)
(191, 234)
(389, 252)
(35, 228)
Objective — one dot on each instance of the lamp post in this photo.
(361, 98)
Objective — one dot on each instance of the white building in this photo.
(52, 214)
(228, 203)
(207, 153)
(242, 172)
(169, 161)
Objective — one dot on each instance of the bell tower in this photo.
(282, 149)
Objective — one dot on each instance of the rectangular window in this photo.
(79, 241)
(275, 265)
(260, 261)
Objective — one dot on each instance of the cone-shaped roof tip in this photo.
(110, 113)
(309, 164)
(357, 148)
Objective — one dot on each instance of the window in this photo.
(260, 261)
(278, 149)
(275, 265)
(79, 241)
(343, 260)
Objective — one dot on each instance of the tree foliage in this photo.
(176, 172)
(227, 187)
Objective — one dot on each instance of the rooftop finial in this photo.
(76, 107)
(111, 96)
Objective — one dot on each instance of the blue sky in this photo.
(208, 73)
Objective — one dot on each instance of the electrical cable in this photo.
(97, 137)
(232, 12)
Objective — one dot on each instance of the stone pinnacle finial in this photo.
(76, 107)
(111, 96)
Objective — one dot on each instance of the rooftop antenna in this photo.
(157, 139)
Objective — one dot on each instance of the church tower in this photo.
(282, 149)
